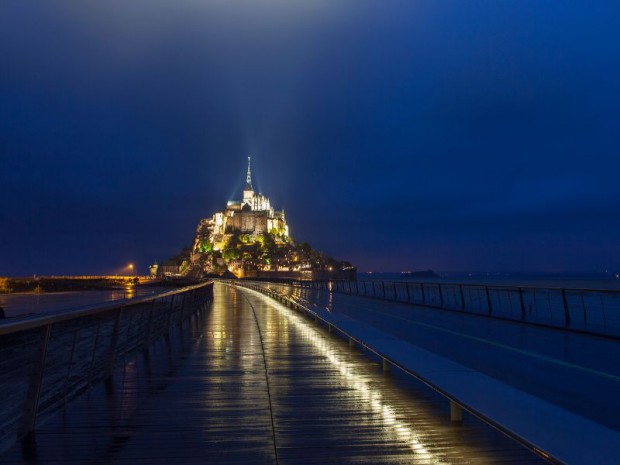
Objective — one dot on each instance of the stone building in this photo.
(253, 215)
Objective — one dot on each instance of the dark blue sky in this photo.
(465, 135)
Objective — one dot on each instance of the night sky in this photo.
(400, 135)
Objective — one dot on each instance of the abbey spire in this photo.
(248, 192)
(248, 178)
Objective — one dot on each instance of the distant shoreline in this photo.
(45, 285)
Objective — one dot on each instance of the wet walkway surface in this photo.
(256, 383)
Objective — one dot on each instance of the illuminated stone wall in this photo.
(249, 222)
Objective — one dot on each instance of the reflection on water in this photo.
(54, 302)
(127, 292)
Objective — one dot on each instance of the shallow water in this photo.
(25, 303)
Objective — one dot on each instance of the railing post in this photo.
(408, 293)
(462, 297)
(170, 311)
(383, 287)
(193, 304)
(149, 326)
(440, 295)
(182, 312)
(31, 405)
(456, 412)
(179, 318)
(94, 356)
(489, 304)
(423, 293)
(566, 310)
(113, 343)
(203, 300)
(198, 300)
(522, 303)
(70, 364)
(394, 287)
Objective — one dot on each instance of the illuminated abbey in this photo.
(252, 215)
(252, 239)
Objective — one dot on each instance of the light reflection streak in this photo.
(404, 433)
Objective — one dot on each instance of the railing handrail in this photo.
(589, 311)
(11, 327)
(507, 286)
(446, 283)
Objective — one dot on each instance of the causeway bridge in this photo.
(304, 373)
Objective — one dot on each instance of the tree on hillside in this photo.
(232, 249)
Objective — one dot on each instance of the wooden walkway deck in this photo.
(255, 383)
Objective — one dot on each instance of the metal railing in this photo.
(48, 360)
(585, 310)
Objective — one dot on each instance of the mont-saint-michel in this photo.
(251, 239)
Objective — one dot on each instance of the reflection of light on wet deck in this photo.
(379, 406)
